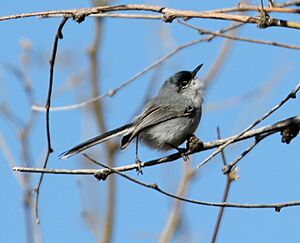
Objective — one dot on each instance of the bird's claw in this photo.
(182, 152)
(194, 144)
(139, 166)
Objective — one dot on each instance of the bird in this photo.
(166, 121)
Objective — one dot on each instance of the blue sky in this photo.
(268, 174)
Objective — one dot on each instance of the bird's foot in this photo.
(182, 152)
(194, 144)
(139, 166)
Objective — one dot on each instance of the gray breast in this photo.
(174, 131)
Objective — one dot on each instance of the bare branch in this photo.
(221, 57)
(48, 104)
(245, 7)
(227, 168)
(277, 206)
(112, 92)
(272, 43)
(225, 195)
(167, 14)
(291, 95)
(174, 217)
(154, 186)
(259, 91)
(8, 155)
(288, 3)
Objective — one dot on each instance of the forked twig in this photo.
(291, 95)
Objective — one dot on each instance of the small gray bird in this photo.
(166, 121)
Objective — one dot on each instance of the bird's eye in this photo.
(184, 84)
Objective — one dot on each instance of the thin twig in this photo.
(23, 129)
(174, 217)
(112, 92)
(244, 8)
(229, 179)
(220, 59)
(271, 3)
(271, 43)
(32, 229)
(261, 90)
(128, 16)
(229, 167)
(48, 104)
(288, 3)
(9, 157)
(154, 186)
(291, 95)
(12, 117)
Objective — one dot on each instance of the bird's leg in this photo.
(193, 144)
(181, 151)
(137, 160)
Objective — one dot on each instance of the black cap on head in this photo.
(195, 71)
(182, 76)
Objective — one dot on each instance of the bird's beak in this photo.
(195, 71)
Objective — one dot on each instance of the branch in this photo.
(222, 56)
(276, 206)
(154, 186)
(167, 14)
(48, 104)
(291, 95)
(231, 176)
(175, 216)
(103, 173)
(9, 157)
(228, 168)
(112, 92)
(231, 37)
(288, 3)
(23, 131)
(244, 8)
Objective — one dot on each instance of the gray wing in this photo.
(152, 116)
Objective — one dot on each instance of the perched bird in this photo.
(166, 121)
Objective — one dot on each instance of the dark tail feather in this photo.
(93, 141)
(125, 141)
